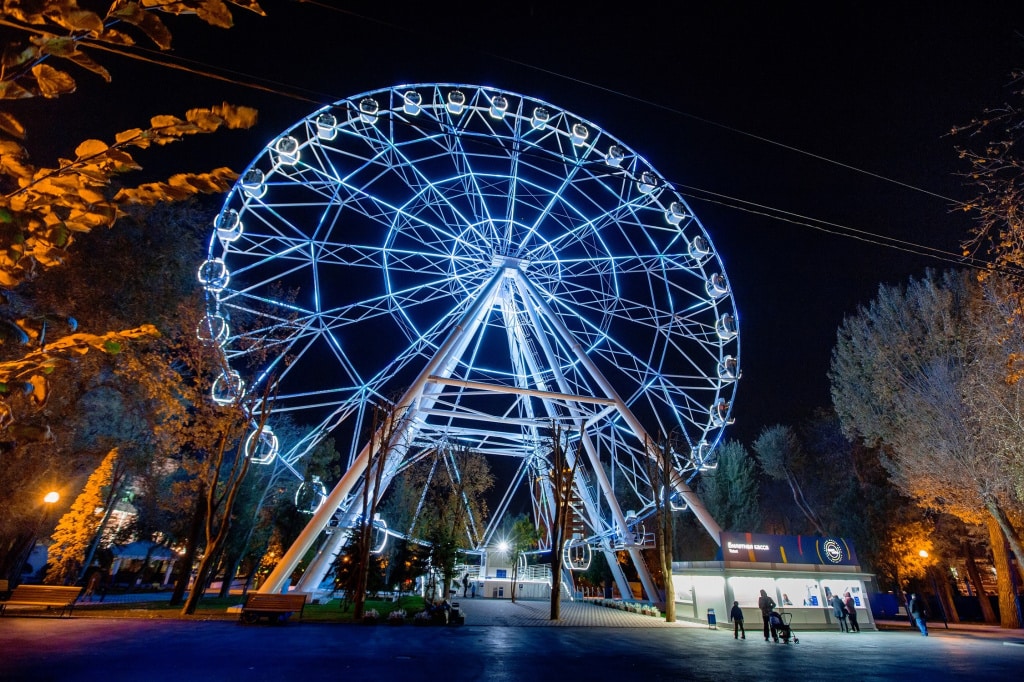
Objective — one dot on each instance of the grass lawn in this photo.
(217, 608)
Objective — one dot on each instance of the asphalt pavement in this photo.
(499, 641)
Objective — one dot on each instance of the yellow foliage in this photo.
(52, 83)
(90, 148)
(50, 203)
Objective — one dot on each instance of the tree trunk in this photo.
(979, 589)
(12, 563)
(189, 558)
(1008, 617)
(230, 569)
(946, 598)
(1008, 531)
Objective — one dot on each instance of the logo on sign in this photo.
(833, 551)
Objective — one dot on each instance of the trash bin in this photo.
(712, 621)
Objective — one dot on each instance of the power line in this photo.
(288, 90)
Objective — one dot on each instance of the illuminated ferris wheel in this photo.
(502, 265)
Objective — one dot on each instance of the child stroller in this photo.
(779, 623)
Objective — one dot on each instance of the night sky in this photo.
(795, 109)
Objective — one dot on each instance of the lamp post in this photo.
(935, 586)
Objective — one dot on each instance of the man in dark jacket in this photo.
(767, 605)
(839, 611)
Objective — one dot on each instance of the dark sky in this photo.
(776, 104)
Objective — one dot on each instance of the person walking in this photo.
(919, 613)
(767, 605)
(851, 611)
(839, 611)
(736, 616)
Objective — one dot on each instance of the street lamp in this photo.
(51, 497)
(935, 585)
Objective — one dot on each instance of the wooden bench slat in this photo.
(259, 604)
(43, 595)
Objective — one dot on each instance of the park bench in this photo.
(280, 606)
(50, 596)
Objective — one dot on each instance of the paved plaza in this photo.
(499, 641)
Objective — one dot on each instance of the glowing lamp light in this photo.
(647, 182)
(326, 126)
(286, 149)
(499, 105)
(228, 226)
(456, 102)
(579, 134)
(213, 274)
(540, 118)
(503, 546)
(615, 156)
(411, 102)
(923, 554)
(51, 497)
(254, 183)
(368, 109)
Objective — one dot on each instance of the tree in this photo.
(42, 208)
(78, 530)
(220, 477)
(919, 371)
(996, 175)
(455, 509)
(730, 491)
(521, 538)
(386, 427)
(563, 478)
(780, 452)
(660, 473)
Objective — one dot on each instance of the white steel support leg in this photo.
(466, 326)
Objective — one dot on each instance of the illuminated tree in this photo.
(920, 372)
(79, 529)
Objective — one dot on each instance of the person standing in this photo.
(736, 616)
(767, 605)
(839, 611)
(851, 611)
(918, 612)
(465, 584)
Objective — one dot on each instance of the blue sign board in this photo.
(788, 549)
